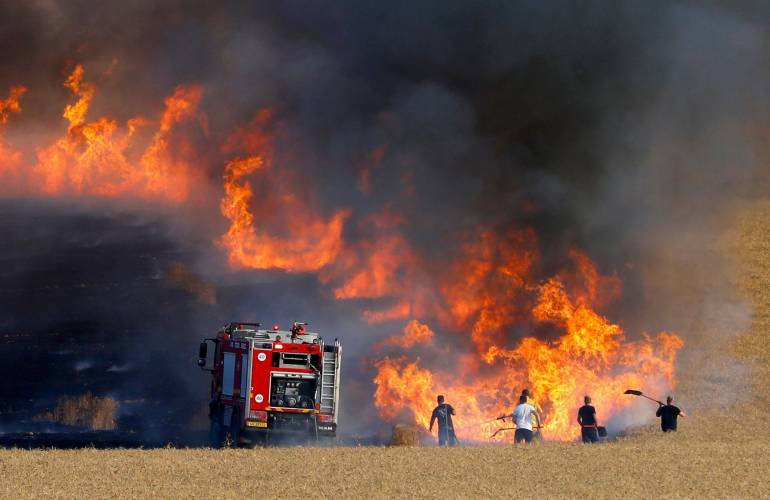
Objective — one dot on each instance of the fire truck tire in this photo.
(216, 432)
(326, 441)
(256, 439)
(233, 432)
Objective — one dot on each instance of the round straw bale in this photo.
(405, 435)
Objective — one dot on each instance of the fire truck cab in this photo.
(267, 383)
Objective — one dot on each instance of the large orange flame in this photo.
(101, 158)
(491, 295)
(305, 242)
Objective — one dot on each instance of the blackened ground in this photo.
(84, 306)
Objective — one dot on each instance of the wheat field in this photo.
(704, 459)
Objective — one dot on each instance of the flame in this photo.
(375, 267)
(11, 104)
(308, 243)
(9, 158)
(402, 384)
(414, 333)
(163, 173)
(101, 158)
(76, 113)
(487, 285)
(399, 311)
(491, 293)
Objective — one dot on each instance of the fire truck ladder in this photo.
(329, 378)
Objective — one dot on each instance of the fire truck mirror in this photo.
(202, 352)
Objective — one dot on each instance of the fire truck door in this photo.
(228, 374)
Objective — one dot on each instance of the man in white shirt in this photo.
(522, 416)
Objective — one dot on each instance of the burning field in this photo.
(505, 319)
(700, 461)
(475, 199)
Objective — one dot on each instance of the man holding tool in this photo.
(446, 432)
(668, 414)
(523, 415)
(587, 419)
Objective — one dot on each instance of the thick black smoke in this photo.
(625, 129)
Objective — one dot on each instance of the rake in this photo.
(498, 431)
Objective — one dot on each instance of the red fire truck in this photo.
(271, 383)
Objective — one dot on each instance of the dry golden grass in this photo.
(750, 244)
(713, 455)
(87, 411)
(670, 465)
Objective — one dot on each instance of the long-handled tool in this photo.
(501, 429)
(640, 393)
(490, 421)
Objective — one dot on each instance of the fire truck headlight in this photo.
(259, 398)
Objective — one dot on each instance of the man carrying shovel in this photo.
(668, 414)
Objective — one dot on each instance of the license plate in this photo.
(256, 424)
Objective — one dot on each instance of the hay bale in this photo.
(405, 435)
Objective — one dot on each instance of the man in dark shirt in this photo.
(668, 414)
(587, 419)
(446, 432)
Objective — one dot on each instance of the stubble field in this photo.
(717, 454)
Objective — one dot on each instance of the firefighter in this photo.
(535, 423)
(524, 415)
(446, 432)
(587, 419)
(668, 414)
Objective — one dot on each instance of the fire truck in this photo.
(271, 383)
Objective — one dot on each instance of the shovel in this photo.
(640, 393)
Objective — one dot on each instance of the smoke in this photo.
(624, 130)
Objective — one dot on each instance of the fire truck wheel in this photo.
(216, 433)
(326, 441)
(255, 440)
(233, 432)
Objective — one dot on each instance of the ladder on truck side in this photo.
(330, 373)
